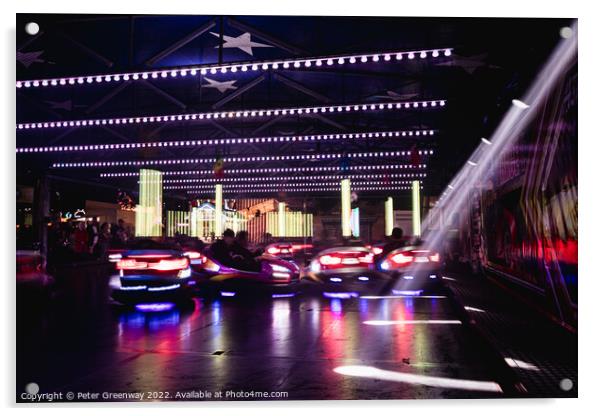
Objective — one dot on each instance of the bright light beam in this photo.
(398, 376)
(515, 121)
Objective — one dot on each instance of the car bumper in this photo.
(150, 289)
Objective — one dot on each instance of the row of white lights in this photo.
(295, 178)
(233, 114)
(292, 185)
(237, 159)
(268, 170)
(205, 142)
(316, 189)
(233, 68)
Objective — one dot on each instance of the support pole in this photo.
(416, 225)
(346, 207)
(219, 203)
(388, 216)
(281, 219)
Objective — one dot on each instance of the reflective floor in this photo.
(302, 347)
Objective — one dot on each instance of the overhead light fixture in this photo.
(219, 142)
(239, 159)
(288, 185)
(274, 170)
(237, 114)
(519, 104)
(223, 68)
(275, 189)
(484, 140)
(297, 178)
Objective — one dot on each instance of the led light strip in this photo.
(327, 156)
(291, 185)
(296, 178)
(234, 114)
(322, 189)
(269, 170)
(234, 67)
(242, 140)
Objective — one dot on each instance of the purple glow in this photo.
(340, 295)
(336, 279)
(155, 307)
(282, 295)
(407, 292)
(227, 294)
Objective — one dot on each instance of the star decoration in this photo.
(222, 86)
(469, 63)
(29, 58)
(62, 105)
(392, 95)
(242, 42)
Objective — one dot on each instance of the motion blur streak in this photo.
(485, 156)
(442, 382)
(416, 321)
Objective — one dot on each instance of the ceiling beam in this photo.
(239, 91)
(178, 44)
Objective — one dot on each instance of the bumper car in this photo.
(413, 268)
(274, 275)
(342, 272)
(151, 276)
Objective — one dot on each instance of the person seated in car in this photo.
(222, 249)
(245, 259)
(396, 241)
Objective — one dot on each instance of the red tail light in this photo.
(162, 265)
(165, 265)
(131, 264)
(402, 258)
(273, 250)
(345, 259)
(328, 260)
(377, 250)
(415, 256)
(192, 254)
(297, 247)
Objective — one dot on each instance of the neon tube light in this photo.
(239, 159)
(219, 142)
(191, 71)
(303, 184)
(416, 224)
(297, 178)
(149, 211)
(346, 207)
(389, 216)
(271, 170)
(239, 114)
(273, 190)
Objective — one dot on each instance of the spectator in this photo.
(80, 239)
(93, 234)
(104, 240)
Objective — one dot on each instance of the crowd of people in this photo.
(85, 240)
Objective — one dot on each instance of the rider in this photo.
(396, 241)
(222, 249)
(242, 255)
